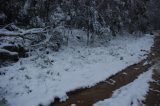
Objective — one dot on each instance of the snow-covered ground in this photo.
(31, 81)
(130, 95)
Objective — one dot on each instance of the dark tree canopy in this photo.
(130, 15)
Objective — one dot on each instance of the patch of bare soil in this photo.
(153, 96)
(104, 90)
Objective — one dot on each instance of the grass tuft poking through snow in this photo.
(30, 82)
(130, 95)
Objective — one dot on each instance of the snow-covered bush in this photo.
(57, 16)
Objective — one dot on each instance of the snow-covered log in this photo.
(6, 55)
(17, 32)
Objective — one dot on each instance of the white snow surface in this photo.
(130, 95)
(30, 81)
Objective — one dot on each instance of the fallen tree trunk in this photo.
(21, 32)
(6, 55)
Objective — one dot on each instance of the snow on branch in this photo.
(17, 32)
(8, 52)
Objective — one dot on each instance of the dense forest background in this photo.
(130, 15)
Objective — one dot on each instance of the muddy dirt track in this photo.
(104, 90)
